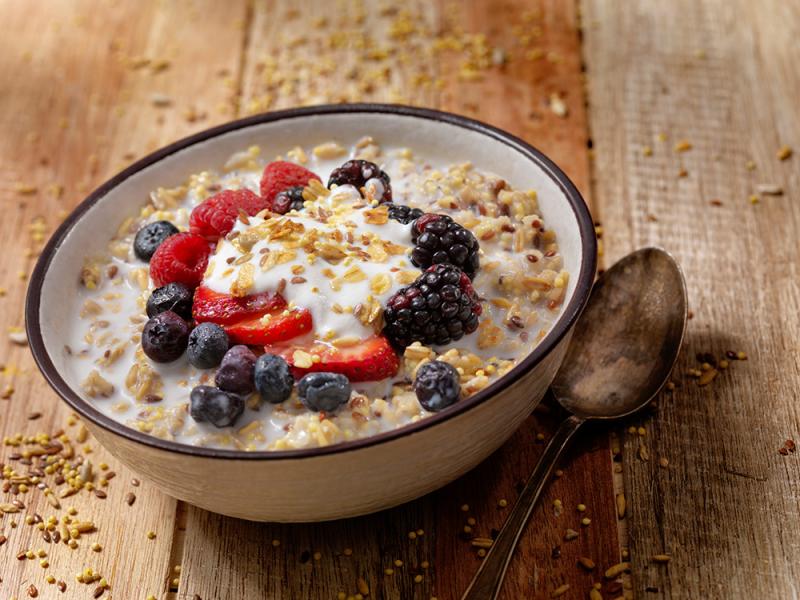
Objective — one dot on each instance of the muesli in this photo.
(327, 295)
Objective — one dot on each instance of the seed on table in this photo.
(362, 586)
(661, 558)
(617, 569)
(586, 563)
(621, 505)
(32, 591)
(560, 591)
(130, 498)
(571, 534)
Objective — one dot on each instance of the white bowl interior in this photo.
(439, 142)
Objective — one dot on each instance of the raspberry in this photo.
(438, 308)
(288, 199)
(181, 258)
(215, 216)
(439, 239)
(281, 175)
(360, 173)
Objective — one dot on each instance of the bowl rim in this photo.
(561, 327)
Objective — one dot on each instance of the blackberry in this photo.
(437, 385)
(438, 239)
(438, 308)
(359, 173)
(404, 214)
(288, 199)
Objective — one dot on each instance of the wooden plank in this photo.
(292, 59)
(723, 76)
(75, 109)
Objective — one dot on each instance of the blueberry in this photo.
(235, 373)
(211, 405)
(173, 296)
(149, 238)
(164, 337)
(273, 378)
(208, 343)
(324, 391)
(437, 385)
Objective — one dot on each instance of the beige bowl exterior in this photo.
(385, 474)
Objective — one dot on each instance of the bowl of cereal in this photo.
(359, 302)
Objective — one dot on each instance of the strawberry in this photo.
(225, 309)
(241, 317)
(372, 359)
(281, 175)
(181, 258)
(282, 326)
(214, 217)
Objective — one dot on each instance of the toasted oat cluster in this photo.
(325, 296)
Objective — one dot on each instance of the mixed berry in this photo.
(260, 343)
(363, 174)
(440, 240)
(438, 308)
(150, 237)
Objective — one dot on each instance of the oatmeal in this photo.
(327, 295)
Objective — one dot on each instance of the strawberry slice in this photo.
(281, 326)
(225, 309)
(242, 317)
(372, 359)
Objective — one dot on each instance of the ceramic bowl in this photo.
(346, 479)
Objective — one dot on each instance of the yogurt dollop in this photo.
(337, 258)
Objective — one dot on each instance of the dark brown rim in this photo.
(568, 317)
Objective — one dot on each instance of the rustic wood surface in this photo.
(722, 76)
(88, 87)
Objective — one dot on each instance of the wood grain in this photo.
(514, 94)
(722, 76)
(74, 109)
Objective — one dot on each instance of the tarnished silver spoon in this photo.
(621, 354)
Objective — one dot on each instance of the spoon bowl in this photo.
(624, 345)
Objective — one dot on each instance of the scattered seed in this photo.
(621, 505)
(661, 558)
(363, 588)
(783, 152)
(560, 591)
(571, 534)
(769, 189)
(130, 498)
(617, 569)
(586, 563)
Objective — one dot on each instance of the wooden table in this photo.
(675, 119)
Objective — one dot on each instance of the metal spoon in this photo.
(622, 352)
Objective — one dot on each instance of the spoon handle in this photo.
(487, 581)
